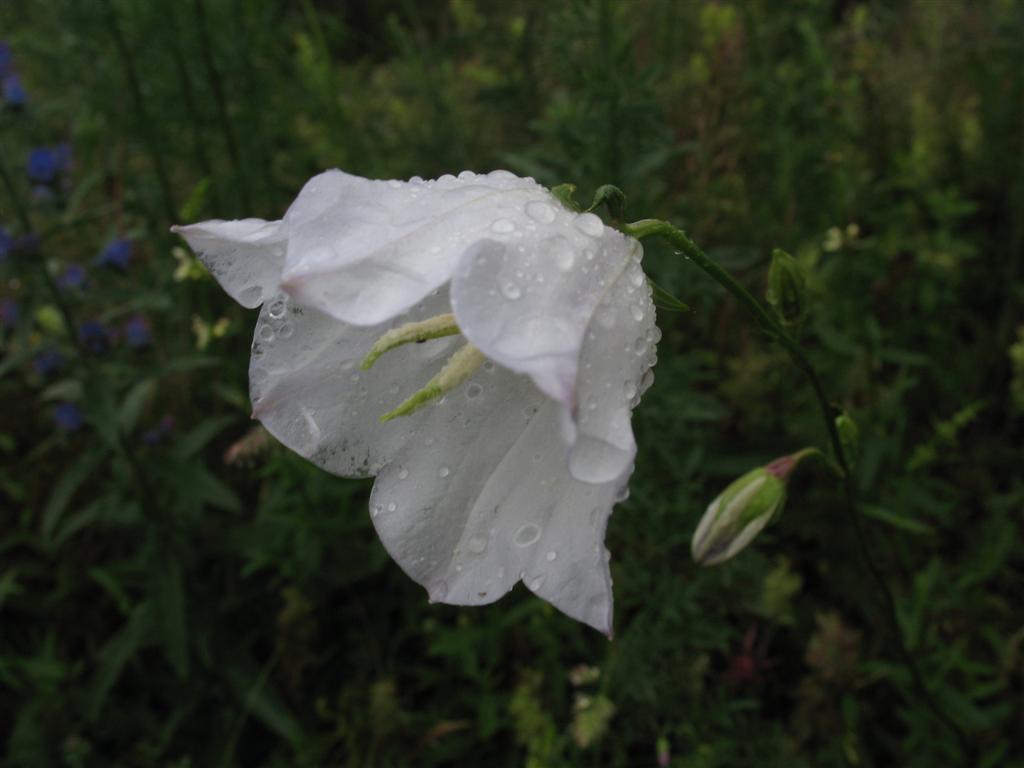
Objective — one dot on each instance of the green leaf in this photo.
(115, 655)
(69, 482)
(665, 300)
(199, 436)
(262, 702)
(169, 604)
(133, 404)
(902, 522)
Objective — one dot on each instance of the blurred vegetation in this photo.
(177, 591)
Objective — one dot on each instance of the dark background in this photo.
(175, 590)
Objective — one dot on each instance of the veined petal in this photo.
(573, 311)
(482, 498)
(245, 256)
(527, 304)
(308, 390)
(364, 251)
(618, 352)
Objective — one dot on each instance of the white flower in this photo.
(512, 472)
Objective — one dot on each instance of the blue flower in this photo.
(6, 59)
(10, 312)
(74, 276)
(67, 417)
(95, 336)
(6, 244)
(13, 91)
(158, 433)
(48, 361)
(116, 254)
(42, 165)
(137, 332)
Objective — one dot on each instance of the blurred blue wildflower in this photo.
(73, 276)
(67, 417)
(48, 361)
(159, 432)
(13, 91)
(42, 165)
(26, 245)
(95, 336)
(10, 312)
(6, 244)
(116, 254)
(137, 332)
(6, 59)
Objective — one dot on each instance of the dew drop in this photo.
(473, 391)
(550, 556)
(403, 473)
(527, 535)
(589, 224)
(443, 472)
(251, 295)
(266, 333)
(640, 346)
(503, 226)
(477, 545)
(464, 175)
(286, 331)
(629, 389)
(564, 257)
(637, 312)
(276, 310)
(392, 506)
(511, 291)
(540, 211)
(536, 583)
(395, 184)
(636, 277)
(376, 509)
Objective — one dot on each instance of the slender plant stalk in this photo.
(678, 239)
(148, 127)
(217, 84)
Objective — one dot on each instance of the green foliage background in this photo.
(203, 598)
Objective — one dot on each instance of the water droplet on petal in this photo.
(251, 295)
(503, 226)
(527, 535)
(286, 331)
(443, 472)
(511, 291)
(550, 556)
(640, 346)
(477, 545)
(540, 211)
(266, 333)
(536, 583)
(403, 473)
(637, 311)
(376, 509)
(589, 224)
(473, 391)
(392, 507)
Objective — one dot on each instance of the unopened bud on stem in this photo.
(743, 509)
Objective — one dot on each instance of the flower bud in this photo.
(739, 513)
(849, 438)
(787, 288)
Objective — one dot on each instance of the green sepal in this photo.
(612, 197)
(787, 288)
(564, 193)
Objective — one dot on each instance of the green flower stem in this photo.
(678, 239)
(149, 134)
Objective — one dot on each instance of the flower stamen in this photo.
(423, 330)
(459, 367)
